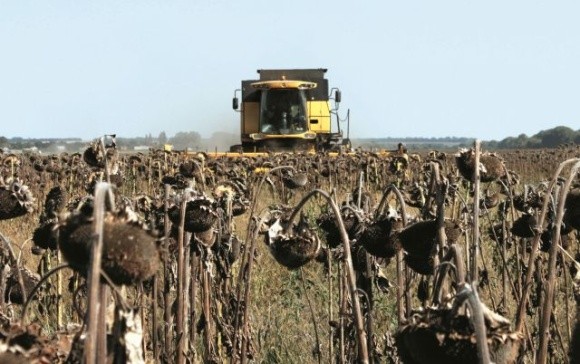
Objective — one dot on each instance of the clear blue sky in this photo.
(482, 69)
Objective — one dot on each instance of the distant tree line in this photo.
(550, 138)
(221, 141)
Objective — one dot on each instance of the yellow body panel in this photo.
(319, 116)
(251, 118)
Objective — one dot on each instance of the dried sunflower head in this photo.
(15, 199)
(292, 246)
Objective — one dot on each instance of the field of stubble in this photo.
(290, 258)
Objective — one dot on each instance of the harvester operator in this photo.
(284, 118)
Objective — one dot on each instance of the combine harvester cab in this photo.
(289, 110)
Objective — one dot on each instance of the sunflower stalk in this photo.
(94, 351)
(244, 275)
(542, 352)
(180, 328)
(466, 292)
(401, 269)
(474, 273)
(167, 281)
(526, 287)
(363, 356)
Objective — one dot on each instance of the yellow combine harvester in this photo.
(289, 110)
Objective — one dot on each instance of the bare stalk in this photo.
(180, 319)
(91, 352)
(168, 343)
(358, 317)
(3, 277)
(36, 288)
(244, 319)
(154, 337)
(475, 242)
(247, 264)
(542, 355)
(535, 245)
(453, 255)
(467, 292)
(343, 303)
(400, 262)
(317, 351)
(330, 311)
(207, 314)
(193, 294)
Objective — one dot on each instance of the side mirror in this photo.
(235, 103)
(337, 96)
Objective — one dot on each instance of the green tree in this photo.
(553, 137)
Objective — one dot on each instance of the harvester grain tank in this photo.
(289, 110)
